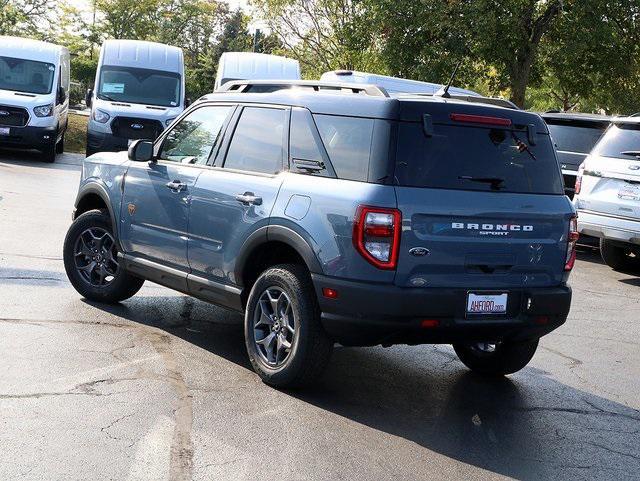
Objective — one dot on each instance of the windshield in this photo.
(574, 138)
(26, 76)
(475, 158)
(139, 86)
(620, 138)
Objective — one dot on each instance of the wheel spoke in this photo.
(96, 256)
(274, 326)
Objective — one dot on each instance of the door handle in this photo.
(249, 198)
(177, 186)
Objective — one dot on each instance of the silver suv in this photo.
(608, 194)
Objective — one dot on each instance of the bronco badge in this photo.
(131, 208)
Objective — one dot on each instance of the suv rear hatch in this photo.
(481, 197)
(615, 163)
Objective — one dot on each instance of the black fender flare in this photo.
(277, 233)
(96, 189)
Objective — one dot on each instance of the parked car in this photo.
(608, 194)
(139, 90)
(574, 135)
(330, 212)
(34, 95)
(255, 66)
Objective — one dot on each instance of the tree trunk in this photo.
(520, 77)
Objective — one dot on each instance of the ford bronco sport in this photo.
(336, 213)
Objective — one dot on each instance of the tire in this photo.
(507, 358)
(310, 347)
(49, 154)
(615, 256)
(83, 236)
(60, 145)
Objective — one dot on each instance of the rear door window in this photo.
(476, 158)
(258, 143)
(348, 143)
(575, 138)
(618, 139)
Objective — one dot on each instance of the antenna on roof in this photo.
(444, 92)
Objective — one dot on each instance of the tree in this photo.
(24, 17)
(129, 19)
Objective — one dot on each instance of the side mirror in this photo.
(187, 102)
(88, 96)
(141, 151)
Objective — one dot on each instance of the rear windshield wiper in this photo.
(496, 182)
(633, 153)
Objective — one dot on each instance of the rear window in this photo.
(476, 158)
(574, 138)
(620, 138)
(347, 140)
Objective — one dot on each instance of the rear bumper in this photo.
(604, 226)
(29, 137)
(370, 314)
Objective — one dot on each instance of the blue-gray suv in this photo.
(337, 213)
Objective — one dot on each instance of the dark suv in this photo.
(336, 213)
(574, 135)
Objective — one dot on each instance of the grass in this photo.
(75, 138)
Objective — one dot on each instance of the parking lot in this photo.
(160, 387)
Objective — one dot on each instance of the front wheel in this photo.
(286, 343)
(49, 153)
(496, 359)
(91, 260)
(60, 145)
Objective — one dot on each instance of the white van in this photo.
(393, 85)
(255, 66)
(34, 91)
(139, 90)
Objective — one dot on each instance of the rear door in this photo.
(236, 196)
(611, 183)
(482, 202)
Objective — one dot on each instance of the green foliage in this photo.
(24, 17)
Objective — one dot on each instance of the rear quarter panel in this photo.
(322, 211)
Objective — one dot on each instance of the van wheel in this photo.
(60, 145)
(616, 256)
(496, 359)
(91, 260)
(49, 153)
(286, 343)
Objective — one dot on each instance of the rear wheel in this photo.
(617, 256)
(91, 260)
(496, 359)
(286, 343)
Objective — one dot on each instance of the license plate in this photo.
(487, 303)
(4, 130)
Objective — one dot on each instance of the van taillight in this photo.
(578, 185)
(571, 244)
(376, 235)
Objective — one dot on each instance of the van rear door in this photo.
(481, 197)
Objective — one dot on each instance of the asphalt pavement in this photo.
(160, 387)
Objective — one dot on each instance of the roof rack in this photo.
(266, 86)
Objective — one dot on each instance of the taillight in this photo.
(376, 235)
(579, 179)
(481, 119)
(571, 244)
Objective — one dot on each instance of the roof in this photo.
(365, 101)
(142, 54)
(250, 65)
(568, 116)
(30, 49)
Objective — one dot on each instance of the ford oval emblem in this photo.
(419, 251)
(137, 126)
(634, 167)
(4, 113)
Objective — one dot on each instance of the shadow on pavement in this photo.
(528, 426)
(33, 158)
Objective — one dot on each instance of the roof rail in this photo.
(265, 86)
(477, 99)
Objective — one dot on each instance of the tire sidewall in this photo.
(302, 308)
